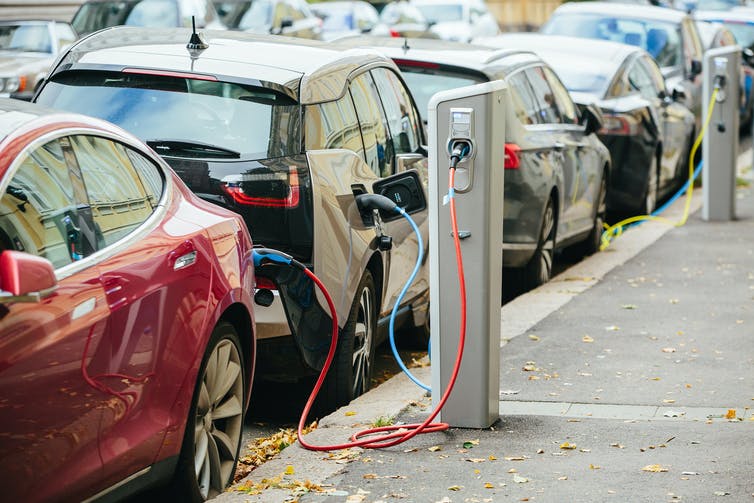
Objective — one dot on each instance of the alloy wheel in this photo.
(548, 244)
(219, 419)
(363, 342)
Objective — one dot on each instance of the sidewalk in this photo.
(616, 379)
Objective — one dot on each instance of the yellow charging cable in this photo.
(615, 230)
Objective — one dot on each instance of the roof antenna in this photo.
(196, 45)
(405, 45)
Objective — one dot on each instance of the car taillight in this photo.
(394, 34)
(512, 160)
(275, 191)
(622, 125)
(265, 283)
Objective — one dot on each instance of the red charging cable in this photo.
(375, 437)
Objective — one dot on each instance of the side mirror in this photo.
(405, 190)
(679, 94)
(591, 118)
(696, 68)
(25, 277)
(286, 22)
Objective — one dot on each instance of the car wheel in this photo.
(215, 422)
(351, 371)
(650, 193)
(539, 269)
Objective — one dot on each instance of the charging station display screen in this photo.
(462, 117)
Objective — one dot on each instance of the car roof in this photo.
(738, 14)
(479, 58)
(605, 52)
(311, 71)
(623, 10)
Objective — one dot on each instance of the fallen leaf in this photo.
(616, 444)
(514, 458)
(454, 488)
(654, 378)
(434, 448)
(654, 468)
(470, 443)
(668, 400)
(587, 338)
(518, 479)
(668, 350)
(564, 477)
(534, 378)
(721, 493)
(585, 450)
(731, 414)
(492, 458)
(567, 445)
(350, 413)
(475, 460)
(512, 470)
(628, 306)
(487, 485)
(594, 467)
(689, 473)
(540, 451)
(533, 337)
(612, 328)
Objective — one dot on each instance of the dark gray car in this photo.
(556, 168)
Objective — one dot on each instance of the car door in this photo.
(572, 212)
(154, 279)
(693, 52)
(405, 138)
(587, 156)
(52, 401)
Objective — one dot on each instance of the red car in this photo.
(127, 339)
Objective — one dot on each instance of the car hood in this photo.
(16, 64)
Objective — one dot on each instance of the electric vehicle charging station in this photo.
(474, 115)
(721, 69)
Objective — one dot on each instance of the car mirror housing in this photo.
(25, 277)
(591, 118)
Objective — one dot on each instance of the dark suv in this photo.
(285, 132)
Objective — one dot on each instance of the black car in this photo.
(670, 36)
(556, 169)
(646, 126)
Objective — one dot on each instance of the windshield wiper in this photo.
(191, 149)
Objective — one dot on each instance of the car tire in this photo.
(539, 268)
(350, 374)
(649, 201)
(214, 426)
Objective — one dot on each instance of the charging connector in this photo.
(458, 150)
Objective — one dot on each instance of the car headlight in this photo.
(13, 84)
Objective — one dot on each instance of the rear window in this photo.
(423, 83)
(184, 117)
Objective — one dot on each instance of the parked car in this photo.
(293, 18)
(285, 132)
(27, 50)
(95, 15)
(739, 23)
(402, 19)
(343, 18)
(646, 127)
(458, 20)
(557, 170)
(127, 340)
(669, 36)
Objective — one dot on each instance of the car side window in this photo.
(524, 102)
(377, 150)
(568, 113)
(401, 115)
(548, 108)
(333, 125)
(692, 44)
(117, 194)
(658, 81)
(44, 210)
(639, 80)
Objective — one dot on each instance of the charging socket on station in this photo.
(461, 125)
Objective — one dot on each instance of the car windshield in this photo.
(258, 16)
(581, 74)
(660, 39)
(185, 117)
(94, 16)
(25, 38)
(423, 84)
(744, 33)
(442, 13)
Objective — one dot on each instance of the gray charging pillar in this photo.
(720, 143)
(477, 114)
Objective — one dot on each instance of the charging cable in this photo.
(617, 229)
(385, 436)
